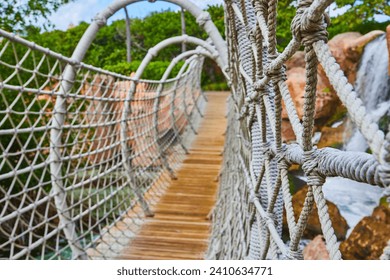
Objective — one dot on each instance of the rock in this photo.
(287, 131)
(369, 237)
(316, 249)
(326, 101)
(332, 136)
(388, 43)
(347, 49)
(296, 81)
(297, 60)
(313, 227)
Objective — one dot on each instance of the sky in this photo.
(85, 10)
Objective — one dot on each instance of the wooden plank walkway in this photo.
(180, 228)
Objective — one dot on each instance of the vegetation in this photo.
(15, 15)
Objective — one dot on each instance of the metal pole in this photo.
(128, 36)
(183, 29)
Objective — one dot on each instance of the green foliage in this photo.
(385, 201)
(359, 17)
(108, 50)
(15, 15)
(286, 12)
(359, 12)
(339, 114)
(154, 71)
(384, 123)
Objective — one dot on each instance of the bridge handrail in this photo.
(72, 209)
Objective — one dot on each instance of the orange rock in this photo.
(313, 227)
(316, 249)
(369, 237)
(331, 136)
(347, 48)
(287, 131)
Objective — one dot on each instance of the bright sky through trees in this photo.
(85, 10)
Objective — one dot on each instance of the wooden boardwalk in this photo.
(180, 228)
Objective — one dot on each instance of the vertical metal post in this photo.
(128, 36)
(183, 29)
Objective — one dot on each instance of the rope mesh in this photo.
(77, 176)
(83, 159)
(254, 189)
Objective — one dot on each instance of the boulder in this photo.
(332, 136)
(296, 81)
(287, 131)
(369, 237)
(316, 249)
(347, 49)
(313, 227)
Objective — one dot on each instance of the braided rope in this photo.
(74, 175)
(258, 86)
(67, 190)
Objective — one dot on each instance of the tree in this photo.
(360, 11)
(360, 16)
(15, 15)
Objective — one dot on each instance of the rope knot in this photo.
(265, 148)
(276, 74)
(306, 29)
(281, 158)
(268, 219)
(100, 20)
(314, 178)
(203, 18)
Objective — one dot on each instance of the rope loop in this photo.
(314, 178)
(100, 20)
(265, 149)
(307, 30)
(281, 158)
(203, 18)
(277, 74)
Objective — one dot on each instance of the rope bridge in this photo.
(87, 153)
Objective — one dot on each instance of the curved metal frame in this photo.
(175, 40)
(165, 76)
(180, 57)
(58, 119)
(129, 95)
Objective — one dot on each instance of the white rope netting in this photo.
(82, 161)
(254, 189)
(85, 152)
